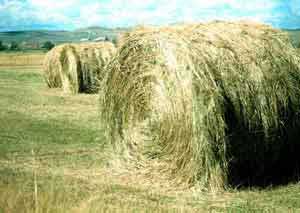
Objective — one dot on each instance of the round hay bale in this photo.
(52, 67)
(209, 104)
(93, 58)
(61, 66)
(77, 67)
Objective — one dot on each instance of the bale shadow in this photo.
(260, 160)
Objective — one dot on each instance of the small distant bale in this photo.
(77, 68)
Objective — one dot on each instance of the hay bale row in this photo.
(209, 104)
(77, 67)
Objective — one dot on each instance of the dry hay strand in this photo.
(78, 67)
(209, 105)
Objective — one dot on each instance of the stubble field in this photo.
(51, 158)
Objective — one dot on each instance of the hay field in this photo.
(21, 59)
(52, 143)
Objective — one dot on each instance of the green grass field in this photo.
(51, 160)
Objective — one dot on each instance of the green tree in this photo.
(14, 46)
(48, 45)
(2, 46)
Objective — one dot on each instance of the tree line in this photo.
(15, 46)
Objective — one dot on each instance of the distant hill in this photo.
(57, 37)
(97, 29)
(40, 36)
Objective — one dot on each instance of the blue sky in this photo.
(73, 14)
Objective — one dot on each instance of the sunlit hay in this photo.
(71, 73)
(122, 37)
(52, 67)
(195, 101)
(77, 67)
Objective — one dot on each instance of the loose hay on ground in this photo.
(208, 104)
(77, 67)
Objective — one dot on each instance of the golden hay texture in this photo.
(207, 104)
(123, 36)
(77, 67)
(52, 67)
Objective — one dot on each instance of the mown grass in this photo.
(30, 58)
(53, 143)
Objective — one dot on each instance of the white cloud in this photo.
(253, 5)
(52, 4)
(90, 15)
(52, 10)
(81, 13)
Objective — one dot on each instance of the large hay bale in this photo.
(77, 67)
(209, 104)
